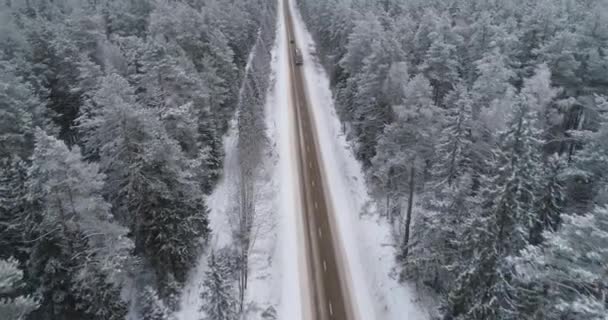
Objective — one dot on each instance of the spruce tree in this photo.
(565, 277)
(18, 108)
(548, 208)
(152, 307)
(13, 305)
(145, 169)
(502, 227)
(13, 209)
(219, 301)
(455, 143)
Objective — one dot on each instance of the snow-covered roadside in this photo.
(274, 277)
(366, 239)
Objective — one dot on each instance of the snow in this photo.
(366, 239)
(290, 250)
(218, 204)
(274, 267)
(277, 263)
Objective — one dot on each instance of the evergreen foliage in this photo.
(497, 112)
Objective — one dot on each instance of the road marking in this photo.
(313, 182)
(310, 164)
(331, 310)
(324, 266)
(316, 205)
(319, 231)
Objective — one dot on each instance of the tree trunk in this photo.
(408, 216)
(388, 209)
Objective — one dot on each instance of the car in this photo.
(297, 57)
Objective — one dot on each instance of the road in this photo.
(328, 290)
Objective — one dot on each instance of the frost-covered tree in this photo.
(549, 56)
(219, 301)
(13, 209)
(13, 306)
(146, 89)
(146, 167)
(455, 144)
(152, 307)
(394, 85)
(550, 197)
(441, 66)
(77, 244)
(565, 277)
(493, 80)
(501, 229)
(18, 109)
(406, 147)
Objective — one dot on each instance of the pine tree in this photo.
(441, 67)
(550, 197)
(152, 307)
(371, 110)
(75, 234)
(13, 306)
(396, 80)
(18, 107)
(13, 209)
(408, 140)
(588, 172)
(146, 168)
(493, 80)
(567, 273)
(219, 301)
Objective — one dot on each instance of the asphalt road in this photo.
(328, 288)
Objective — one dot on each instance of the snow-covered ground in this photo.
(276, 259)
(223, 207)
(290, 253)
(219, 203)
(366, 239)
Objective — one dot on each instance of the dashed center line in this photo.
(310, 164)
(331, 309)
(316, 205)
(313, 183)
(320, 233)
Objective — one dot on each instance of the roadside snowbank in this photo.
(366, 239)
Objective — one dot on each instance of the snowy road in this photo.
(329, 291)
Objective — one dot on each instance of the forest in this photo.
(482, 127)
(112, 114)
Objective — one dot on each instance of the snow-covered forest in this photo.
(144, 176)
(482, 127)
(111, 119)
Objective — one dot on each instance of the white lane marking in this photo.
(331, 310)
(316, 205)
(324, 266)
(319, 231)
(313, 183)
(310, 164)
